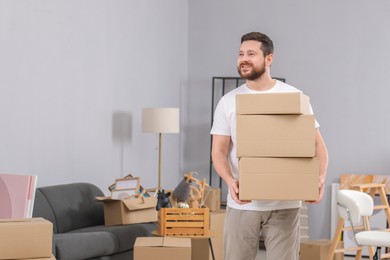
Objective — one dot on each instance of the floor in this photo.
(261, 256)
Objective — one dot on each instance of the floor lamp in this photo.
(160, 120)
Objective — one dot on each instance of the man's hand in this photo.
(322, 155)
(233, 189)
(220, 154)
(321, 194)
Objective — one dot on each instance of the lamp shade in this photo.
(160, 120)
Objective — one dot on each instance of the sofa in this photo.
(78, 224)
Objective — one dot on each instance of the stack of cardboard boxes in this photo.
(276, 147)
(199, 247)
(194, 248)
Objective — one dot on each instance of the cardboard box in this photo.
(213, 199)
(25, 238)
(201, 247)
(275, 135)
(50, 258)
(129, 211)
(278, 178)
(162, 248)
(272, 103)
(318, 249)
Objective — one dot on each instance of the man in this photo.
(278, 221)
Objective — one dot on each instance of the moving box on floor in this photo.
(162, 248)
(201, 247)
(25, 238)
(318, 250)
(50, 258)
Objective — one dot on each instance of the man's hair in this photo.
(267, 46)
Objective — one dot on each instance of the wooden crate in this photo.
(183, 222)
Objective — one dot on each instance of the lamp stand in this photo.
(159, 161)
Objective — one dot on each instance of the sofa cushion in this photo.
(100, 241)
(74, 205)
(84, 245)
(125, 234)
(128, 255)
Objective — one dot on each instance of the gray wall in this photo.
(74, 77)
(337, 52)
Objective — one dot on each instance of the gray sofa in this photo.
(78, 224)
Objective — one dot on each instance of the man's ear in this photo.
(268, 59)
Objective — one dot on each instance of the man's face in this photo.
(251, 64)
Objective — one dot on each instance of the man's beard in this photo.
(255, 73)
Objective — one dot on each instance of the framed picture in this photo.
(127, 183)
(123, 194)
(122, 183)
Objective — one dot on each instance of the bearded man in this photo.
(277, 221)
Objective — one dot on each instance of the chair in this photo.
(353, 205)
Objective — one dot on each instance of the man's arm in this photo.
(219, 153)
(322, 155)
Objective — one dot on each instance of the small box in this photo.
(25, 238)
(129, 211)
(213, 199)
(278, 178)
(183, 221)
(201, 247)
(162, 248)
(318, 249)
(275, 135)
(272, 103)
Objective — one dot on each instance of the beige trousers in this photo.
(280, 229)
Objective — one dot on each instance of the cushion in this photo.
(100, 240)
(84, 245)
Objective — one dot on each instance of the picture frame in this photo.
(141, 190)
(127, 183)
(123, 193)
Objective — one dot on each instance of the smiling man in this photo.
(278, 221)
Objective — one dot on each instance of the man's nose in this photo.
(244, 57)
(247, 56)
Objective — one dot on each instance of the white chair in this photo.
(353, 205)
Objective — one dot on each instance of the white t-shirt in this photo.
(225, 124)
